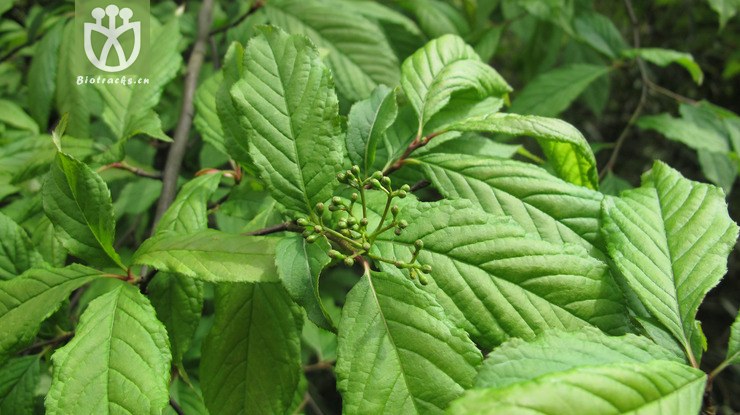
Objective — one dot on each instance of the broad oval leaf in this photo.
(252, 356)
(498, 283)
(17, 253)
(211, 255)
(398, 352)
(299, 265)
(356, 48)
(78, 203)
(542, 204)
(670, 240)
(126, 359)
(664, 57)
(189, 211)
(289, 108)
(26, 301)
(557, 351)
(658, 388)
(445, 66)
(565, 147)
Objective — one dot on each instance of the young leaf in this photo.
(17, 253)
(126, 359)
(357, 51)
(28, 300)
(252, 357)
(497, 283)
(368, 120)
(552, 92)
(189, 211)
(657, 387)
(665, 57)
(211, 255)
(518, 361)
(299, 266)
(78, 203)
(670, 240)
(542, 204)
(565, 147)
(725, 9)
(19, 379)
(443, 67)
(394, 339)
(290, 110)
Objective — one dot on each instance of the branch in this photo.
(645, 80)
(417, 143)
(121, 165)
(281, 227)
(176, 407)
(180, 139)
(256, 6)
(319, 366)
(59, 339)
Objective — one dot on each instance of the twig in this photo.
(121, 165)
(59, 339)
(256, 6)
(643, 94)
(176, 407)
(180, 139)
(319, 366)
(420, 185)
(418, 142)
(667, 92)
(281, 227)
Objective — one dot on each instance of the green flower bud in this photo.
(302, 222)
(346, 232)
(426, 268)
(377, 175)
(397, 231)
(363, 222)
(366, 246)
(318, 229)
(348, 261)
(320, 207)
(386, 181)
(336, 200)
(312, 238)
(401, 194)
(419, 244)
(355, 196)
(403, 224)
(342, 177)
(423, 279)
(395, 209)
(356, 169)
(335, 254)
(406, 188)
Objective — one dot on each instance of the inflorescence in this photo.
(349, 234)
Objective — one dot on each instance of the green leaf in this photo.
(554, 91)
(518, 361)
(599, 32)
(206, 118)
(299, 266)
(368, 121)
(437, 18)
(542, 204)
(28, 300)
(78, 203)
(42, 75)
(670, 240)
(725, 9)
(211, 255)
(355, 48)
(228, 113)
(565, 147)
(129, 111)
(19, 379)
(733, 346)
(126, 359)
(443, 67)
(658, 387)
(17, 253)
(398, 353)
(685, 131)
(189, 211)
(71, 98)
(290, 111)
(497, 283)
(252, 356)
(14, 116)
(718, 168)
(665, 57)
(178, 302)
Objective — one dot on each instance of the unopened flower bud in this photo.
(348, 261)
(419, 244)
(426, 268)
(302, 222)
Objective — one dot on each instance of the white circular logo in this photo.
(112, 32)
